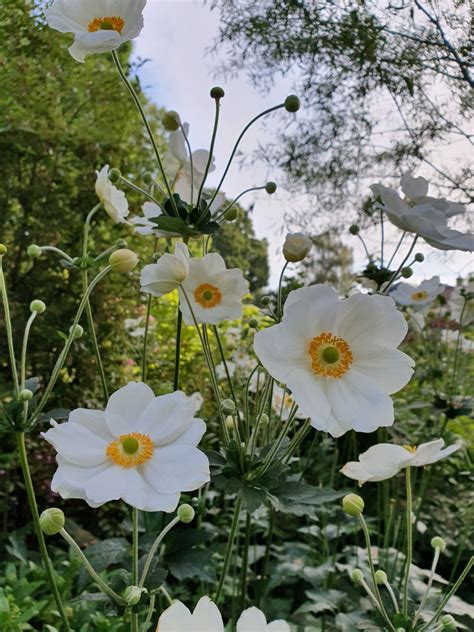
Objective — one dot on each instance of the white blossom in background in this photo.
(384, 460)
(462, 303)
(419, 297)
(339, 358)
(214, 292)
(254, 620)
(221, 373)
(98, 27)
(112, 199)
(423, 215)
(167, 273)
(141, 449)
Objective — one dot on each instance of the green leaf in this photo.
(191, 564)
(296, 498)
(170, 224)
(108, 552)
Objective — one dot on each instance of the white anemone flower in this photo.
(167, 273)
(425, 216)
(253, 620)
(339, 358)
(420, 297)
(214, 292)
(462, 304)
(178, 618)
(141, 449)
(112, 199)
(99, 26)
(385, 460)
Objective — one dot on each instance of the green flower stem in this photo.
(133, 614)
(90, 569)
(191, 163)
(428, 587)
(297, 440)
(149, 615)
(227, 372)
(392, 596)
(280, 291)
(276, 446)
(266, 558)
(372, 571)
(8, 326)
(179, 331)
(453, 590)
(235, 200)
(397, 248)
(394, 276)
(63, 355)
(228, 552)
(382, 238)
(409, 540)
(154, 548)
(140, 109)
(20, 440)
(245, 560)
(166, 594)
(57, 251)
(24, 349)
(211, 150)
(145, 338)
(138, 189)
(371, 595)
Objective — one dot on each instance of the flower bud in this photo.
(133, 594)
(265, 301)
(253, 323)
(123, 260)
(34, 251)
(231, 214)
(147, 178)
(438, 543)
(77, 331)
(52, 521)
(121, 243)
(448, 622)
(228, 406)
(357, 576)
(217, 93)
(353, 504)
(264, 420)
(3, 250)
(229, 423)
(38, 306)
(186, 513)
(292, 103)
(25, 395)
(406, 272)
(270, 187)
(171, 121)
(296, 247)
(380, 577)
(114, 176)
(354, 229)
(419, 257)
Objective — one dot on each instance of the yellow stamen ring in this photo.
(330, 355)
(207, 295)
(131, 450)
(421, 295)
(111, 23)
(410, 448)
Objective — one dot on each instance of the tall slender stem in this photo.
(280, 291)
(154, 548)
(145, 338)
(394, 276)
(428, 586)
(228, 551)
(245, 560)
(24, 349)
(211, 150)
(133, 614)
(179, 329)
(30, 492)
(8, 326)
(409, 540)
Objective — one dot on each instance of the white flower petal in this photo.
(176, 618)
(206, 617)
(69, 480)
(93, 420)
(125, 407)
(177, 468)
(167, 417)
(77, 444)
(252, 620)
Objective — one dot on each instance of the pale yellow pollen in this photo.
(110, 23)
(410, 448)
(330, 355)
(207, 295)
(421, 295)
(131, 450)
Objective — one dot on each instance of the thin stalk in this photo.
(149, 614)
(227, 372)
(228, 551)
(133, 614)
(409, 554)
(280, 283)
(30, 492)
(179, 331)
(211, 149)
(382, 238)
(145, 338)
(392, 596)
(8, 326)
(245, 561)
(361, 239)
(397, 272)
(138, 189)
(154, 548)
(191, 163)
(24, 349)
(235, 200)
(428, 586)
(266, 557)
(57, 251)
(397, 248)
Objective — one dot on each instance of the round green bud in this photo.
(438, 543)
(217, 93)
(25, 395)
(77, 331)
(38, 306)
(357, 576)
(147, 178)
(448, 622)
(123, 260)
(186, 513)
(296, 247)
(270, 187)
(354, 229)
(253, 323)
(380, 577)
(229, 423)
(34, 251)
(406, 272)
(419, 257)
(114, 176)
(3, 250)
(228, 406)
(52, 521)
(353, 504)
(265, 300)
(231, 214)
(171, 121)
(264, 420)
(133, 594)
(292, 103)
(121, 243)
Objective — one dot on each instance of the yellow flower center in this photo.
(421, 295)
(331, 356)
(207, 295)
(111, 23)
(131, 450)
(410, 448)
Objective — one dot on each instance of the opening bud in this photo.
(133, 594)
(296, 247)
(186, 513)
(231, 214)
(354, 229)
(52, 521)
(171, 121)
(292, 103)
(77, 331)
(270, 187)
(114, 175)
(147, 178)
(217, 93)
(357, 576)
(448, 622)
(38, 306)
(229, 422)
(34, 251)
(406, 272)
(353, 504)
(438, 543)
(123, 260)
(228, 406)
(419, 257)
(25, 395)
(381, 577)
(3, 250)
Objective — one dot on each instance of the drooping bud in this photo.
(3, 250)
(123, 260)
(52, 521)
(38, 306)
(217, 93)
(25, 395)
(171, 121)
(406, 272)
(380, 577)
(419, 257)
(353, 504)
(34, 251)
(228, 406)
(354, 229)
(115, 175)
(231, 214)
(292, 103)
(77, 331)
(438, 543)
(357, 576)
(186, 513)
(448, 622)
(296, 247)
(270, 187)
(133, 594)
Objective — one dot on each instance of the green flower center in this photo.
(331, 355)
(207, 295)
(107, 26)
(130, 445)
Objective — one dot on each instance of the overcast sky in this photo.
(179, 76)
